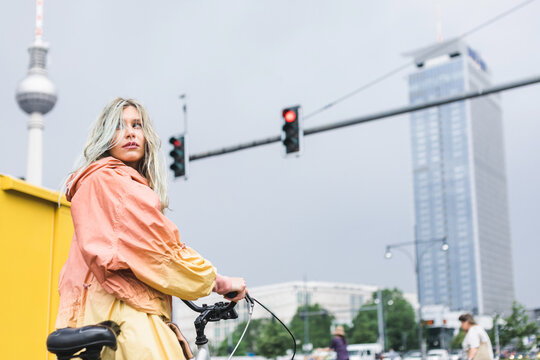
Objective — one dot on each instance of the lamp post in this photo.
(417, 262)
(381, 326)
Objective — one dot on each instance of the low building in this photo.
(342, 300)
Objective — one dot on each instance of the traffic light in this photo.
(179, 155)
(292, 130)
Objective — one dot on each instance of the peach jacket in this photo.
(123, 242)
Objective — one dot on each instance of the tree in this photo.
(517, 327)
(457, 340)
(399, 319)
(318, 325)
(248, 344)
(365, 326)
(273, 340)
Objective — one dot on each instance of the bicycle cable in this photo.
(281, 322)
(251, 304)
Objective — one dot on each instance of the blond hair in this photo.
(101, 140)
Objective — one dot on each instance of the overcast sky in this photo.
(326, 215)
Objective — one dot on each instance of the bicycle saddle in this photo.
(66, 342)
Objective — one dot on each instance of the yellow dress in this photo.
(143, 336)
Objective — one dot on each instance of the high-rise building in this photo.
(459, 179)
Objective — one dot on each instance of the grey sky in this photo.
(327, 215)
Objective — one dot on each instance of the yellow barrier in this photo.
(35, 234)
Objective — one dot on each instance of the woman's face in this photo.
(465, 325)
(130, 141)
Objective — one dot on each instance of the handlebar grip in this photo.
(231, 294)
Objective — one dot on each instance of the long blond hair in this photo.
(101, 140)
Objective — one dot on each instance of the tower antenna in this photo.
(439, 22)
(39, 22)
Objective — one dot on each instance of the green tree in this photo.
(401, 327)
(517, 327)
(318, 325)
(457, 340)
(273, 340)
(248, 344)
(365, 326)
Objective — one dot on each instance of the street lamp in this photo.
(388, 255)
(380, 316)
(444, 246)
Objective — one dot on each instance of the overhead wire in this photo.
(408, 63)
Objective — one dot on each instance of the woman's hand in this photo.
(238, 286)
(225, 285)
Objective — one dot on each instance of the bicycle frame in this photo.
(203, 352)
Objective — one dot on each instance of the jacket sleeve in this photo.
(119, 226)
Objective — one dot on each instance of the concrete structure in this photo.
(341, 299)
(36, 96)
(460, 184)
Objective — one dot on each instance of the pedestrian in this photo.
(391, 354)
(476, 344)
(126, 259)
(339, 343)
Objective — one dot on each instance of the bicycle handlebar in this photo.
(218, 311)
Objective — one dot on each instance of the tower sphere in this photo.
(36, 93)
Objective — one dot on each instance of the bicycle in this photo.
(87, 342)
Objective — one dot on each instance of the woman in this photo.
(339, 343)
(126, 259)
(476, 343)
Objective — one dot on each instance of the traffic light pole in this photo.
(376, 116)
(380, 320)
(180, 151)
(184, 110)
(186, 136)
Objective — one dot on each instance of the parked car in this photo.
(412, 355)
(456, 355)
(363, 351)
(387, 356)
(438, 354)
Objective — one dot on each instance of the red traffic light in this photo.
(289, 115)
(176, 142)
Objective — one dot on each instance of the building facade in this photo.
(342, 300)
(459, 179)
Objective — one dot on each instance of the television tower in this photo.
(36, 95)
